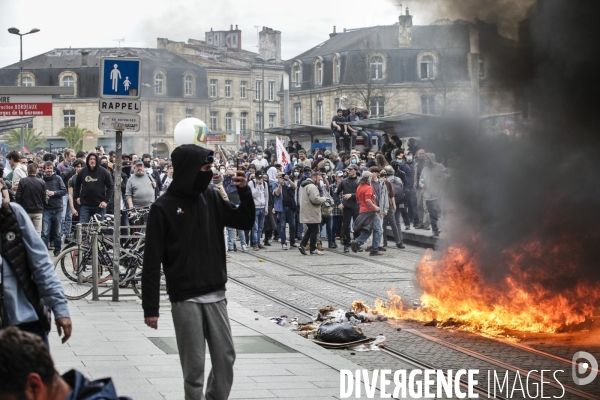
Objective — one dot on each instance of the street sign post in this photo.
(130, 122)
(120, 77)
(120, 106)
(120, 87)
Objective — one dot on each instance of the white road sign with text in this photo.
(131, 122)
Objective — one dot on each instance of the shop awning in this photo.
(8, 124)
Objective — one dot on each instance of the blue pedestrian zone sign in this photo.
(120, 77)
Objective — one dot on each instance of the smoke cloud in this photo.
(534, 202)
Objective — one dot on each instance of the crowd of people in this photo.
(57, 191)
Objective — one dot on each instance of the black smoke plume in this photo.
(537, 197)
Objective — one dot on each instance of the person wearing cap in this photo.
(139, 192)
(350, 209)
(368, 218)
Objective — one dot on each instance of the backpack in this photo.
(398, 190)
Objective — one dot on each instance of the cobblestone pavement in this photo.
(266, 270)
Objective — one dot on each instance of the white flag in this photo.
(283, 157)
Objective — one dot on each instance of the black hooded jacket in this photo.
(185, 232)
(93, 186)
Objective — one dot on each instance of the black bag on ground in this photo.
(333, 332)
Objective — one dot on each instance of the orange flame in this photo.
(455, 292)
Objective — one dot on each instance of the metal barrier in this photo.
(94, 244)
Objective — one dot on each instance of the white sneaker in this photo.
(284, 246)
(244, 248)
(317, 252)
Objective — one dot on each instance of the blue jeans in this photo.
(371, 135)
(328, 222)
(86, 213)
(376, 229)
(259, 223)
(288, 215)
(51, 225)
(67, 217)
(231, 237)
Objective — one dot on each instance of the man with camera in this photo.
(285, 206)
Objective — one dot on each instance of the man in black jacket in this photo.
(93, 189)
(185, 234)
(349, 203)
(52, 218)
(31, 195)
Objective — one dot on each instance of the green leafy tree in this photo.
(31, 140)
(73, 135)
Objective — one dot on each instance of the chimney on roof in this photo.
(211, 29)
(405, 30)
(269, 45)
(334, 32)
(231, 27)
(236, 28)
(84, 58)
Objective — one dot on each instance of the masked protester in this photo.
(181, 231)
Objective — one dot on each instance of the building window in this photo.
(297, 75)
(428, 104)
(259, 121)
(189, 85)
(376, 68)
(377, 107)
(243, 121)
(160, 120)
(319, 112)
(298, 113)
(159, 81)
(68, 81)
(336, 69)
(213, 120)
(427, 67)
(318, 73)
(229, 122)
(213, 88)
(69, 118)
(243, 89)
(258, 90)
(272, 120)
(27, 81)
(227, 88)
(271, 90)
(336, 103)
(189, 112)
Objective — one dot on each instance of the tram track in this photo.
(372, 296)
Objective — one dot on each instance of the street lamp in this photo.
(262, 98)
(15, 31)
(149, 144)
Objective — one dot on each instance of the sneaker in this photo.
(284, 246)
(267, 243)
(426, 227)
(244, 248)
(332, 246)
(382, 248)
(293, 245)
(375, 253)
(260, 246)
(346, 249)
(400, 246)
(436, 233)
(255, 247)
(319, 246)
(234, 247)
(407, 227)
(302, 249)
(420, 226)
(317, 252)
(56, 253)
(354, 246)
(229, 250)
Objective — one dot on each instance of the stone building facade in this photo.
(447, 68)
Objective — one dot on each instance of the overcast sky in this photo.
(65, 23)
(303, 24)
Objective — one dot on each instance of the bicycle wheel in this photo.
(76, 265)
(135, 278)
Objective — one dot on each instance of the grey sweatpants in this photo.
(194, 323)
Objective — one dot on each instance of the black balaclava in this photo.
(188, 180)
